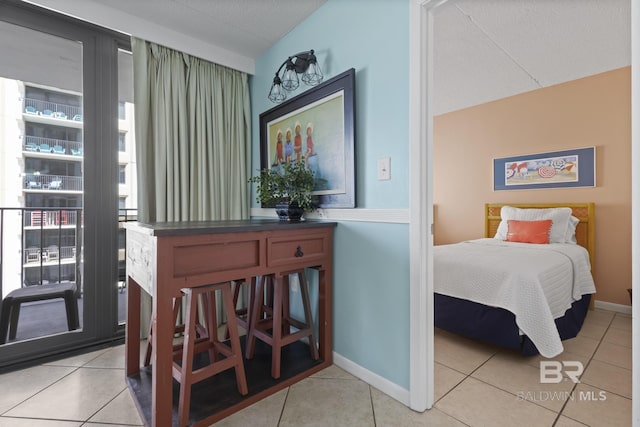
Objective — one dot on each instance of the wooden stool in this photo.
(202, 330)
(280, 322)
(177, 348)
(243, 315)
(202, 337)
(184, 373)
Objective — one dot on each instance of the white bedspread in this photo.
(537, 283)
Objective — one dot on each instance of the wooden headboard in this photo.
(585, 212)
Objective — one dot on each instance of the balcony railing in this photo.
(39, 182)
(37, 144)
(48, 242)
(49, 238)
(127, 214)
(49, 218)
(44, 246)
(52, 110)
(49, 255)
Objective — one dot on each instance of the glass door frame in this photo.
(100, 175)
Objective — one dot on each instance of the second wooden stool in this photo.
(276, 330)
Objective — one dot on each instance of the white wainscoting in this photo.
(396, 216)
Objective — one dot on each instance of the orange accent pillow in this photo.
(529, 231)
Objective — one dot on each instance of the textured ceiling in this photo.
(246, 27)
(484, 49)
(490, 49)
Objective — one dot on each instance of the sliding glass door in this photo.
(59, 187)
(41, 210)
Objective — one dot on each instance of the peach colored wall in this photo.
(593, 111)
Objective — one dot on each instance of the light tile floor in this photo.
(475, 385)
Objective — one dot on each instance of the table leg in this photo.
(325, 298)
(162, 361)
(132, 337)
(276, 339)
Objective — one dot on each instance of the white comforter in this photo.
(537, 283)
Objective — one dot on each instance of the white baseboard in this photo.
(384, 385)
(618, 308)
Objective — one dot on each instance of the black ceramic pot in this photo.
(289, 212)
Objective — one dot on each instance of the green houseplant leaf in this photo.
(291, 182)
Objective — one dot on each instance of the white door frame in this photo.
(635, 206)
(421, 202)
(421, 363)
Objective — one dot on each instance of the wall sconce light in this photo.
(304, 63)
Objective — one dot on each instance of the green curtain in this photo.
(192, 137)
(192, 124)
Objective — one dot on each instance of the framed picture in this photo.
(557, 169)
(317, 127)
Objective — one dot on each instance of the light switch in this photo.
(384, 169)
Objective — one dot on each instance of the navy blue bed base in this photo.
(497, 325)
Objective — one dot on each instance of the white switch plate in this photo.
(384, 169)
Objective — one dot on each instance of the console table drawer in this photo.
(287, 250)
(215, 257)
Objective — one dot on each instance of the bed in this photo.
(523, 296)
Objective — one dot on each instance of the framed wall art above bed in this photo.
(557, 169)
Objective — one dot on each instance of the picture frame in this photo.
(319, 125)
(555, 169)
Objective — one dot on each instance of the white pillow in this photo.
(570, 237)
(559, 216)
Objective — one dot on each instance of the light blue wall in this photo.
(371, 261)
(371, 297)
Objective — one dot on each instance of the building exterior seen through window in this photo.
(122, 142)
(122, 110)
(45, 148)
(122, 177)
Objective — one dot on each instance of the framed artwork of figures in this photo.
(316, 127)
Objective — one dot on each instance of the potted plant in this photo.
(288, 188)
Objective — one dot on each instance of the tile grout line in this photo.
(42, 389)
(373, 409)
(614, 365)
(74, 369)
(105, 405)
(573, 389)
(564, 405)
(559, 413)
(455, 386)
(464, 373)
(283, 405)
(514, 395)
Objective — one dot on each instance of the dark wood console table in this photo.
(163, 258)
